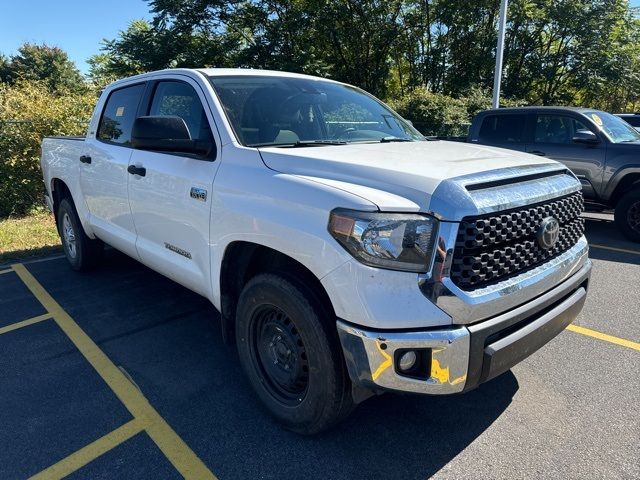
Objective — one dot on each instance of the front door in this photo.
(553, 138)
(171, 198)
(103, 170)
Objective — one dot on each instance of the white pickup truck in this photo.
(347, 254)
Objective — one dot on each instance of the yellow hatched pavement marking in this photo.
(615, 249)
(173, 447)
(25, 323)
(603, 336)
(87, 454)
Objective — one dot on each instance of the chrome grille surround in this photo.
(490, 248)
(490, 193)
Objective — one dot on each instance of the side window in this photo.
(503, 128)
(180, 99)
(557, 129)
(119, 113)
(633, 121)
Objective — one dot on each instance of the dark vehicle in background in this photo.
(601, 149)
(632, 119)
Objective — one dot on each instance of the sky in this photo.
(76, 26)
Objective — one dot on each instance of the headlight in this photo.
(398, 241)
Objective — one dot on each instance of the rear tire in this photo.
(82, 252)
(627, 215)
(290, 351)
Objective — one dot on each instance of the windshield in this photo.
(281, 111)
(614, 127)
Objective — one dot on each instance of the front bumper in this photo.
(461, 357)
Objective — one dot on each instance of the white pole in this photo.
(497, 75)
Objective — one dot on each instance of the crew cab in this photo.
(601, 149)
(347, 254)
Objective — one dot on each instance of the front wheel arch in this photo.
(244, 260)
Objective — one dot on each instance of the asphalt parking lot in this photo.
(121, 373)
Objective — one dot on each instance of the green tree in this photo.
(568, 51)
(43, 63)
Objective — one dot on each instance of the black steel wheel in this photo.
(279, 352)
(289, 349)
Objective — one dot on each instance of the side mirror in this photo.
(166, 133)
(586, 137)
(409, 122)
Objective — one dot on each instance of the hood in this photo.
(416, 176)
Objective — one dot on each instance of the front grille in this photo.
(494, 247)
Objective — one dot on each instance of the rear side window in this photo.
(633, 121)
(557, 129)
(119, 113)
(180, 99)
(503, 128)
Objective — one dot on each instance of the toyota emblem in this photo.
(548, 233)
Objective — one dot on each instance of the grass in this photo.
(30, 236)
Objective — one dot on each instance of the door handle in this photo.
(537, 152)
(133, 170)
(85, 159)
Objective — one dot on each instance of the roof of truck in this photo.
(535, 107)
(217, 72)
(226, 72)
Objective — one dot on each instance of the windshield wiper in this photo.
(394, 139)
(302, 143)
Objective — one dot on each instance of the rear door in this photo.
(171, 203)
(103, 169)
(553, 138)
(506, 130)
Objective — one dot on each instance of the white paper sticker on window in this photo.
(120, 112)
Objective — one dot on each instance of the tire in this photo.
(627, 215)
(289, 349)
(82, 252)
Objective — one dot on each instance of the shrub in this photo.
(442, 115)
(29, 111)
(432, 113)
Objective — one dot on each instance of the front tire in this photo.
(290, 351)
(82, 252)
(627, 215)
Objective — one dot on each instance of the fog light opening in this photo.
(413, 362)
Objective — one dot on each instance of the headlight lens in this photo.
(397, 241)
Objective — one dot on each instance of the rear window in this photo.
(119, 114)
(503, 128)
(634, 121)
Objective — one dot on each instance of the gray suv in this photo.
(602, 150)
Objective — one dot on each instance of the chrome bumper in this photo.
(370, 358)
(462, 357)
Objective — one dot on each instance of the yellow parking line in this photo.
(173, 447)
(6, 271)
(603, 336)
(25, 323)
(87, 454)
(615, 249)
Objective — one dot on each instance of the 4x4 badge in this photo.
(548, 233)
(199, 194)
